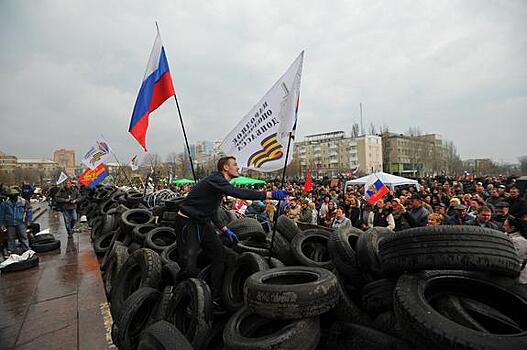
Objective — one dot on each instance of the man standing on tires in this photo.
(69, 196)
(194, 221)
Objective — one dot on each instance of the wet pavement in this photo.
(61, 303)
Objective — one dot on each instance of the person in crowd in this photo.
(194, 221)
(293, 210)
(494, 198)
(502, 213)
(52, 192)
(257, 208)
(380, 216)
(69, 196)
(15, 214)
(314, 212)
(454, 202)
(270, 210)
(27, 191)
(480, 190)
(398, 215)
(427, 201)
(306, 212)
(484, 219)
(324, 208)
(502, 190)
(435, 219)
(417, 216)
(330, 215)
(460, 217)
(340, 221)
(354, 212)
(512, 229)
(518, 206)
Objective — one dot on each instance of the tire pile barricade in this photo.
(446, 287)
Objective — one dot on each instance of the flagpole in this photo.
(275, 219)
(118, 163)
(182, 127)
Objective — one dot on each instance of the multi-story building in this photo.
(369, 153)
(326, 154)
(8, 163)
(45, 167)
(65, 158)
(414, 155)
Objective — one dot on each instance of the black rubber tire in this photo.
(282, 249)
(367, 250)
(354, 336)
(140, 232)
(347, 310)
(377, 296)
(191, 295)
(311, 249)
(287, 227)
(386, 322)
(260, 248)
(115, 264)
(45, 246)
(135, 315)
(468, 248)
(160, 238)
(109, 253)
(43, 238)
(163, 335)
(420, 321)
(235, 276)
(169, 254)
(214, 340)
(341, 246)
(291, 292)
(141, 269)
(274, 262)
(490, 316)
(133, 246)
(166, 295)
(170, 274)
(223, 217)
(133, 199)
(103, 243)
(247, 330)
(248, 228)
(21, 265)
(134, 217)
(96, 225)
(450, 307)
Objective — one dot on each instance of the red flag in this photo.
(308, 185)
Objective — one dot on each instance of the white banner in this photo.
(134, 164)
(96, 155)
(62, 178)
(259, 141)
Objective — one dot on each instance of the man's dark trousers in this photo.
(190, 236)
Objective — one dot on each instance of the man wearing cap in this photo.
(460, 216)
(15, 214)
(494, 198)
(417, 216)
(502, 213)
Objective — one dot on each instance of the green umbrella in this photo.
(244, 181)
(182, 182)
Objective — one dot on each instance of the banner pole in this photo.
(282, 182)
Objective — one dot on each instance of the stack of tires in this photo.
(312, 288)
(44, 242)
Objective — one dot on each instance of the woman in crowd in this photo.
(512, 228)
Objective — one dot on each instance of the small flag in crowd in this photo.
(307, 184)
(134, 163)
(155, 89)
(356, 170)
(92, 178)
(96, 155)
(375, 191)
(62, 178)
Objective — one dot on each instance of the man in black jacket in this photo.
(194, 221)
(69, 196)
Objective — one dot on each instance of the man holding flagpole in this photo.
(195, 218)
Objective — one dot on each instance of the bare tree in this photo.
(414, 131)
(372, 129)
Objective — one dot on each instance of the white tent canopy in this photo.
(388, 179)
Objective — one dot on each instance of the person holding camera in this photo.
(69, 196)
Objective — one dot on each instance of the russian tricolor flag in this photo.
(156, 88)
(376, 191)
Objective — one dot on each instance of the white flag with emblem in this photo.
(96, 155)
(259, 141)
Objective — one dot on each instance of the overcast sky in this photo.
(70, 70)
